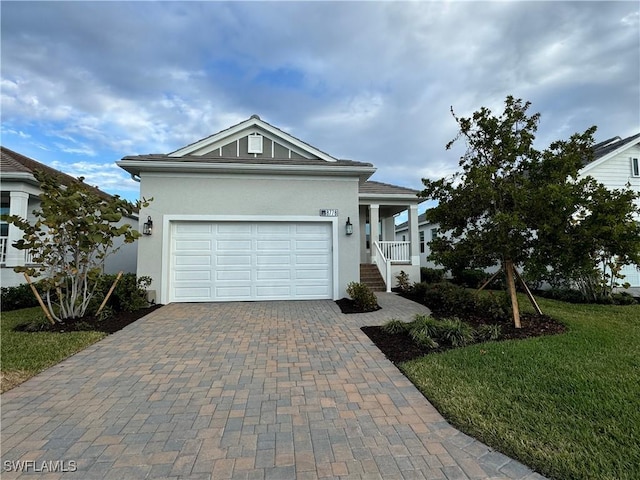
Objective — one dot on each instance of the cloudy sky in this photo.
(86, 83)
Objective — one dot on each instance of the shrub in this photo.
(395, 326)
(470, 277)
(623, 298)
(431, 275)
(15, 298)
(488, 332)
(403, 282)
(496, 308)
(129, 295)
(426, 324)
(363, 296)
(455, 332)
(445, 298)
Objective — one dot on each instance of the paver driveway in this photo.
(268, 390)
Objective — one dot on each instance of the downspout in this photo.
(135, 178)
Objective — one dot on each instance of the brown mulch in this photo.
(107, 325)
(400, 347)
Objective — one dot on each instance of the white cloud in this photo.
(374, 84)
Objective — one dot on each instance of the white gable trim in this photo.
(243, 128)
(584, 170)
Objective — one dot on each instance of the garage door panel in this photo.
(273, 275)
(310, 260)
(282, 260)
(191, 294)
(233, 228)
(312, 244)
(233, 245)
(193, 245)
(320, 274)
(193, 228)
(273, 245)
(283, 229)
(232, 293)
(269, 291)
(192, 275)
(311, 228)
(231, 261)
(243, 275)
(195, 260)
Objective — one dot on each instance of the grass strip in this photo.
(23, 354)
(568, 406)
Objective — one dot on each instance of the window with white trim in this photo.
(421, 241)
(635, 167)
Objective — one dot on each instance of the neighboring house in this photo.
(19, 195)
(253, 213)
(615, 164)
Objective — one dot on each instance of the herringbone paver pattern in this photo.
(269, 390)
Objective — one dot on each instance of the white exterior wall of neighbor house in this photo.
(212, 196)
(616, 173)
(425, 235)
(125, 259)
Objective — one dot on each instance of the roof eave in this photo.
(388, 197)
(136, 167)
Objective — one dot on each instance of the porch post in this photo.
(364, 257)
(19, 205)
(388, 229)
(413, 235)
(374, 218)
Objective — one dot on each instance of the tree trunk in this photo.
(511, 288)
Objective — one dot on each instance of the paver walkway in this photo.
(267, 390)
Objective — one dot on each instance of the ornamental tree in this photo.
(515, 206)
(70, 240)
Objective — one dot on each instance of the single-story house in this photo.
(254, 213)
(20, 195)
(615, 164)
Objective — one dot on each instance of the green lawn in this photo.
(568, 406)
(22, 354)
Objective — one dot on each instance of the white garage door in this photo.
(230, 261)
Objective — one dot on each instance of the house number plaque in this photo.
(329, 212)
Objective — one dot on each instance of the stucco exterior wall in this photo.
(246, 196)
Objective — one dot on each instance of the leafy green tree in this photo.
(586, 243)
(71, 238)
(512, 205)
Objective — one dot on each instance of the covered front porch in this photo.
(379, 205)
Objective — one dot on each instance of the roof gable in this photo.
(235, 142)
(608, 149)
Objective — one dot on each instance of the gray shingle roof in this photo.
(380, 188)
(604, 148)
(14, 162)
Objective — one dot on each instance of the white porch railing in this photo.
(384, 264)
(3, 249)
(4, 245)
(396, 251)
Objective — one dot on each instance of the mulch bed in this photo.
(400, 347)
(89, 323)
